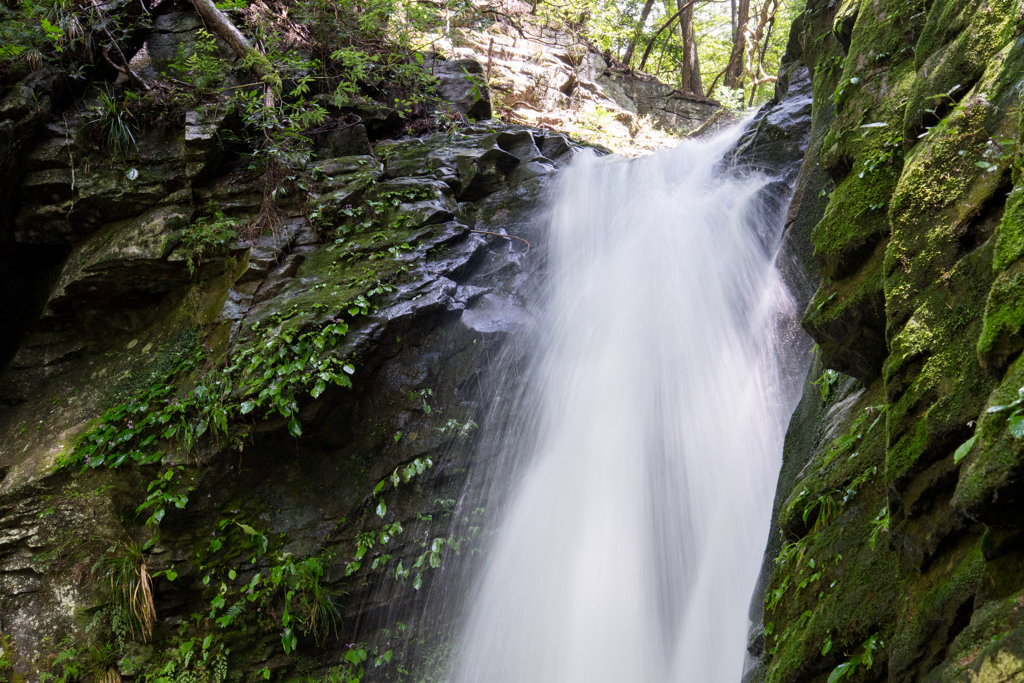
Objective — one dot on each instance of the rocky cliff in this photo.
(239, 408)
(546, 76)
(240, 386)
(898, 551)
(240, 404)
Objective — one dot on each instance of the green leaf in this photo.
(232, 574)
(1016, 425)
(964, 449)
(844, 669)
(398, 437)
(356, 656)
(294, 428)
(827, 647)
(217, 602)
(171, 574)
(54, 33)
(215, 545)
(318, 389)
(348, 368)
(206, 642)
(248, 529)
(247, 407)
(382, 509)
(288, 641)
(417, 583)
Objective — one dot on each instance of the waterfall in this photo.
(650, 434)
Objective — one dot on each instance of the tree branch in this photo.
(256, 60)
(650, 45)
(707, 124)
(126, 70)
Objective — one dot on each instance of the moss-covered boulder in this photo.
(907, 498)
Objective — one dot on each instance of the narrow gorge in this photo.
(367, 385)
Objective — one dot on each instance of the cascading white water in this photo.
(631, 546)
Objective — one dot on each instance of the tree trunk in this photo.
(760, 44)
(628, 57)
(255, 60)
(689, 77)
(683, 6)
(734, 72)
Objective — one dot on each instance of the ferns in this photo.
(203, 68)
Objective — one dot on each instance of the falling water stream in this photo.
(654, 421)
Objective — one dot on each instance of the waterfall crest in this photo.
(653, 422)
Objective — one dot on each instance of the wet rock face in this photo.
(898, 507)
(367, 296)
(422, 249)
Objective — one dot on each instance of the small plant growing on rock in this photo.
(7, 658)
(207, 235)
(112, 120)
(65, 665)
(123, 568)
(202, 66)
(103, 661)
(320, 614)
(865, 659)
(827, 383)
(1015, 422)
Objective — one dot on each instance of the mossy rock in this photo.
(991, 471)
(954, 50)
(937, 607)
(847, 319)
